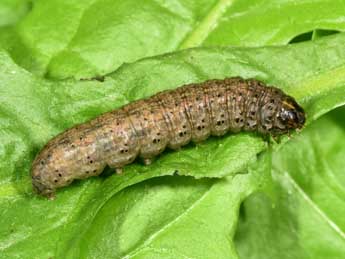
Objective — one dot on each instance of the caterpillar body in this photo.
(171, 118)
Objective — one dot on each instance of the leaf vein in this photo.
(200, 33)
(314, 207)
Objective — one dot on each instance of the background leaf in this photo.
(64, 38)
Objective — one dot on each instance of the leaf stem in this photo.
(204, 28)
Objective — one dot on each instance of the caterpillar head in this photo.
(289, 116)
(280, 114)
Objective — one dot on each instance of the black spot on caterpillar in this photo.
(171, 119)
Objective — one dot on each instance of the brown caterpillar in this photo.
(170, 118)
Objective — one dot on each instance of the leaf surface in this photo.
(33, 110)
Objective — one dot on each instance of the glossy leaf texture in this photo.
(33, 110)
(83, 39)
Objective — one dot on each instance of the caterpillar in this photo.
(170, 118)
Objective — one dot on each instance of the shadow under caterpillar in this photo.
(170, 118)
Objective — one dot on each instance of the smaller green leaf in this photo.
(305, 220)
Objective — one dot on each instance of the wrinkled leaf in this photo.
(164, 218)
(33, 110)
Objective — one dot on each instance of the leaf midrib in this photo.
(201, 31)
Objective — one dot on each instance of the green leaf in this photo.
(32, 110)
(164, 218)
(257, 23)
(71, 38)
(134, 216)
(306, 219)
(11, 11)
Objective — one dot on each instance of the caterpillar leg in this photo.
(275, 139)
(147, 161)
(119, 170)
(51, 196)
(289, 134)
